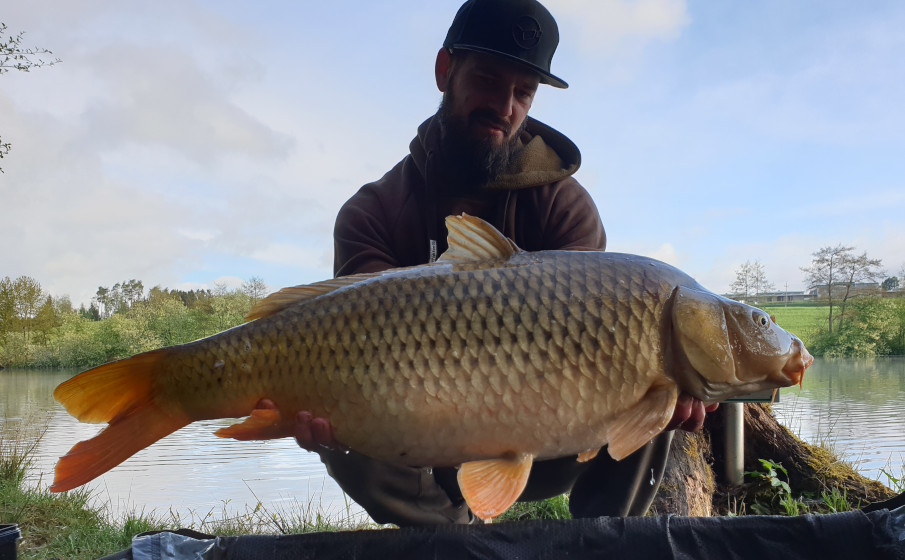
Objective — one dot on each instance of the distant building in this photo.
(857, 289)
(771, 297)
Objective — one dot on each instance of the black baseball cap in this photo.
(519, 30)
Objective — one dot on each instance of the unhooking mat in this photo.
(852, 535)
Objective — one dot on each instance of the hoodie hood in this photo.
(547, 156)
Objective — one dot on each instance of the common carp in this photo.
(489, 358)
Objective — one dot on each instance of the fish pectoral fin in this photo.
(644, 420)
(586, 456)
(263, 423)
(490, 487)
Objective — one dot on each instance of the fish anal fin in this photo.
(472, 239)
(586, 456)
(490, 487)
(644, 420)
(261, 424)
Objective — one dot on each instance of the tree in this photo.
(255, 288)
(14, 57)
(750, 280)
(837, 270)
(47, 319)
(825, 271)
(29, 295)
(856, 269)
(100, 301)
(891, 284)
(7, 307)
(132, 291)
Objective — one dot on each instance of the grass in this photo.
(69, 525)
(803, 321)
(556, 507)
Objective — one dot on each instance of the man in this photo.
(481, 154)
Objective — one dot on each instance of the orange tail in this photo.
(121, 394)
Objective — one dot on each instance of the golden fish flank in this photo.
(489, 358)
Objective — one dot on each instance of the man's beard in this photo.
(470, 162)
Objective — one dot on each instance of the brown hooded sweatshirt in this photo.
(399, 221)
(536, 203)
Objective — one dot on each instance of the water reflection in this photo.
(857, 407)
(191, 471)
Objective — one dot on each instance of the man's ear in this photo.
(441, 69)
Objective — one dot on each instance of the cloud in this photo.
(161, 96)
(608, 27)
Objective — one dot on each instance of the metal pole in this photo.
(735, 442)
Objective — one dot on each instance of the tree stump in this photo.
(694, 482)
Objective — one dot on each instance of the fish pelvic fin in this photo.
(261, 424)
(120, 393)
(635, 427)
(491, 487)
(472, 239)
(586, 456)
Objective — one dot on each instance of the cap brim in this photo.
(545, 77)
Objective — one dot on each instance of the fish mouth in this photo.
(800, 361)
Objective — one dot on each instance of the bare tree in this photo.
(751, 280)
(255, 288)
(837, 270)
(825, 271)
(856, 269)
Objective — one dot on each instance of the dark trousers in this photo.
(408, 496)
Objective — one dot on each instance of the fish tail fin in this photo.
(121, 394)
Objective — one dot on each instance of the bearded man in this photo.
(483, 155)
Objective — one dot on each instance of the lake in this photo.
(856, 406)
(191, 472)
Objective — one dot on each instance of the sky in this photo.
(185, 143)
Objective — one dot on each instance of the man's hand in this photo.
(689, 414)
(312, 434)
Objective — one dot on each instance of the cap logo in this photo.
(526, 32)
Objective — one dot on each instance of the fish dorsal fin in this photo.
(490, 487)
(278, 301)
(644, 420)
(472, 239)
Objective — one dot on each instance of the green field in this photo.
(802, 321)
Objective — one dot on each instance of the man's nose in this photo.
(502, 102)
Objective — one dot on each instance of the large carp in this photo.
(489, 358)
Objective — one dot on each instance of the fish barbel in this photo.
(489, 358)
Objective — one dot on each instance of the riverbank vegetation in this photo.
(40, 331)
(869, 326)
(75, 526)
(71, 524)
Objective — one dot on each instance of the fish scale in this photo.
(491, 353)
(485, 324)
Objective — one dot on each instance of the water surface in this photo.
(856, 406)
(191, 472)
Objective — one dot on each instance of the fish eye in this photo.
(761, 319)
